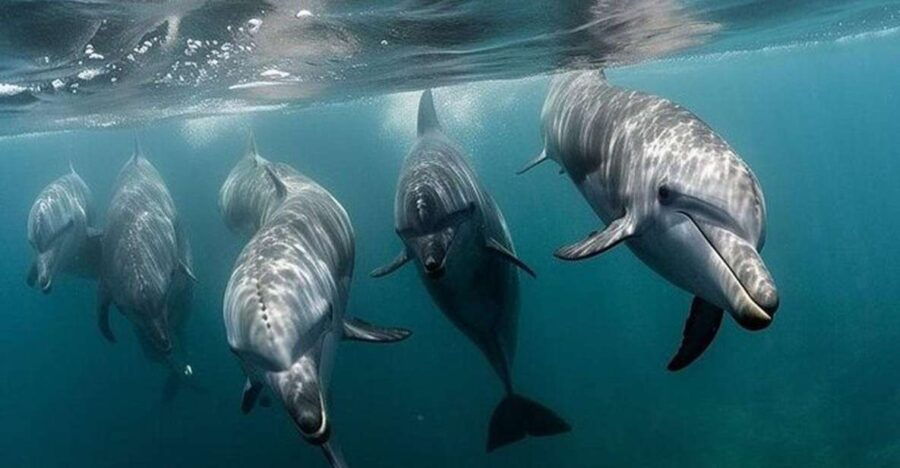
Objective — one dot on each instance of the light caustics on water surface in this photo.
(96, 63)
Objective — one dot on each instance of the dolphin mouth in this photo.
(750, 313)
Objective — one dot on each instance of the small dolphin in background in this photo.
(673, 190)
(146, 269)
(61, 232)
(284, 307)
(456, 233)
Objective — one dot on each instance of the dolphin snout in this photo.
(433, 267)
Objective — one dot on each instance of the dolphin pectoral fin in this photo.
(699, 331)
(103, 301)
(186, 269)
(497, 248)
(280, 188)
(251, 394)
(31, 279)
(359, 330)
(401, 259)
(534, 162)
(599, 242)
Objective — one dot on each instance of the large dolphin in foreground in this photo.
(146, 267)
(457, 235)
(284, 307)
(673, 190)
(61, 232)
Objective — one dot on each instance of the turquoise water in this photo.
(817, 125)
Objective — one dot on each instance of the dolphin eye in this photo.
(665, 194)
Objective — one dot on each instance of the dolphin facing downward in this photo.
(61, 232)
(146, 267)
(456, 233)
(670, 188)
(284, 307)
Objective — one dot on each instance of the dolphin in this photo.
(146, 268)
(664, 183)
(456, 233)
(61, 232)
(284, 306)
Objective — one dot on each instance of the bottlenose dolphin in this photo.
(285, 301)
(61, 232)
(673, 190)
(457, 235)
(146, 267)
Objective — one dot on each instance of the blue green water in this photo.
(818, 126)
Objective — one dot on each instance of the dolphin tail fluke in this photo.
(359, 330)
(334, 454)
(516, 417)
(534, 162)
(427, 116)
(699, 332)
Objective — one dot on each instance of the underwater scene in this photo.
(449, 233)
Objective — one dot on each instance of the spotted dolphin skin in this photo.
(672, 190)
(284, 307)
(146, 267)
(458, 238)
(61, 232)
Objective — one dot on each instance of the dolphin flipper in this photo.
(186, 269)
(401, 259)
(359, 330)
(250, 395)
(103, 301)
(534, 162)
(516, 417)
(599, 242)
(497, 248)
(699, 332)
(31, 279)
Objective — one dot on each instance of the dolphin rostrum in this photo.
(146, 267)
(456, 234)
(284, 307)
(61, 232)
(672, 190)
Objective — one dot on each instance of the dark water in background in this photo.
(818, 388)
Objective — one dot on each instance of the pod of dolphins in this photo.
(661, 181)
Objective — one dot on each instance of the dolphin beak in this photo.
(748, 288)
(44, 278)
(433, 268)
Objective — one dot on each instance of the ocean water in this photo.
(815, 119)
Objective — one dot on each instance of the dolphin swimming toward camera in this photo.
(61, 232)
(284, 307)
(146, 268)
(672, 190)
(457, 236)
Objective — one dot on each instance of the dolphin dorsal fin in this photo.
(138, 152)
(252, 151)
(280, 189)
(427, 116)
(72, 168)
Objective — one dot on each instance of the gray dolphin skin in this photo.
(672, 190)
(146, 267)
(61, 232)
(284, 307)
(458, 238)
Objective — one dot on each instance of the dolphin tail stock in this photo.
(401, 259)
(334, 454)
(359, 330)
(534, 162)
(517, 417)
(699, 332)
